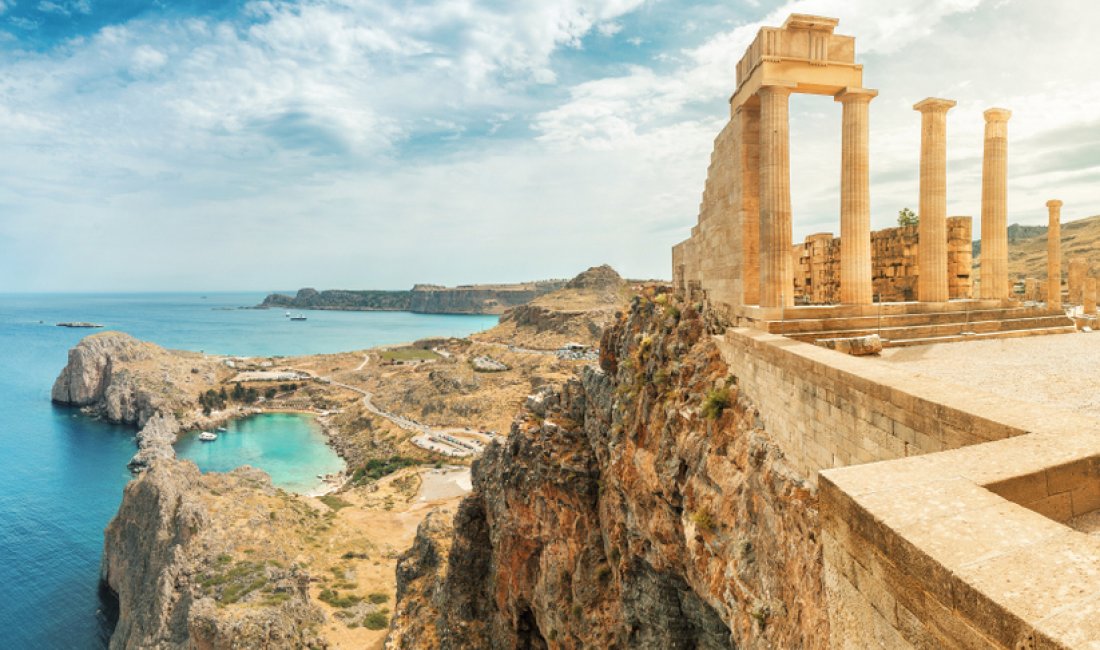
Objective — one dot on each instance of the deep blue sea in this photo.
(61, 474)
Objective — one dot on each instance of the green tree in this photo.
(907, 217)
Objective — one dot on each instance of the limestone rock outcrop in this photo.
(164, 545)
(601, 277)
(577, 313)
(640, 506)
(90, 377)
(117, 377)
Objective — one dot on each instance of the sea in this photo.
(62, 474)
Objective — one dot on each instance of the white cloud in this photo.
(350, 136)
(65, 7)
(609, 29)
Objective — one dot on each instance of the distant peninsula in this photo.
(422, 298)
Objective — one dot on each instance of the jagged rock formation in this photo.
(117, 377)
(423, 298)
(577, 313)
(641, 506)
(170, 564)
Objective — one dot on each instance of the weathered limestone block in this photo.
(854, 345)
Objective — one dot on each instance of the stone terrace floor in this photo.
(1058, 371)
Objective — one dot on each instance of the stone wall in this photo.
(828, 410)
(894, 268)
(817, 270)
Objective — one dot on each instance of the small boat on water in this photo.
(221, 429)
(298, 317)
(287, 314)
(206, 436)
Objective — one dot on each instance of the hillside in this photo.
(576, 313)
(422, 298)
(1027, 246)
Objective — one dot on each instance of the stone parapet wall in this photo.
(967, 548)
(828, 410)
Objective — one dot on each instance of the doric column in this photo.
(855, 198)
(750, 203)
(1054, 254)
(932, 258)
(776, 270)
(1088, 298)
(994, 271)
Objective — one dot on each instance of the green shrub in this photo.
(333, 597)
(717, 400)
(334, 502)
(378, 598)
(703, 520)
(376, 621)
(376, 468)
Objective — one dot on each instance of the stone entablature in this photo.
(804, 49)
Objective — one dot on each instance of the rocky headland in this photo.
(422, 298)
(121, 379)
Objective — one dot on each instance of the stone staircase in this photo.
(904, 324)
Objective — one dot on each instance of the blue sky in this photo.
(363, 143)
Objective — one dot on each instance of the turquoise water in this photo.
(61, 475)
(289, 447)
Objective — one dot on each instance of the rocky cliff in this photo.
(423, 298)
(180, 576)
(639, 506)
(117, 377)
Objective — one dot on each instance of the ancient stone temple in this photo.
(914, 282)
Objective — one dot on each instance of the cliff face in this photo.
(475, 299)
(341, 300)
(167, 559)
(423, 298)
(641, 506)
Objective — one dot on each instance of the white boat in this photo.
(298, 317)
(287, 314)
(221, 429)
(206, 436)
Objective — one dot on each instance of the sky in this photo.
(157, 145)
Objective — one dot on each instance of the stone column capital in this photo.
(779, 89)
(934, 105)
(851, 94)
(1054, 203)
(997, 115)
